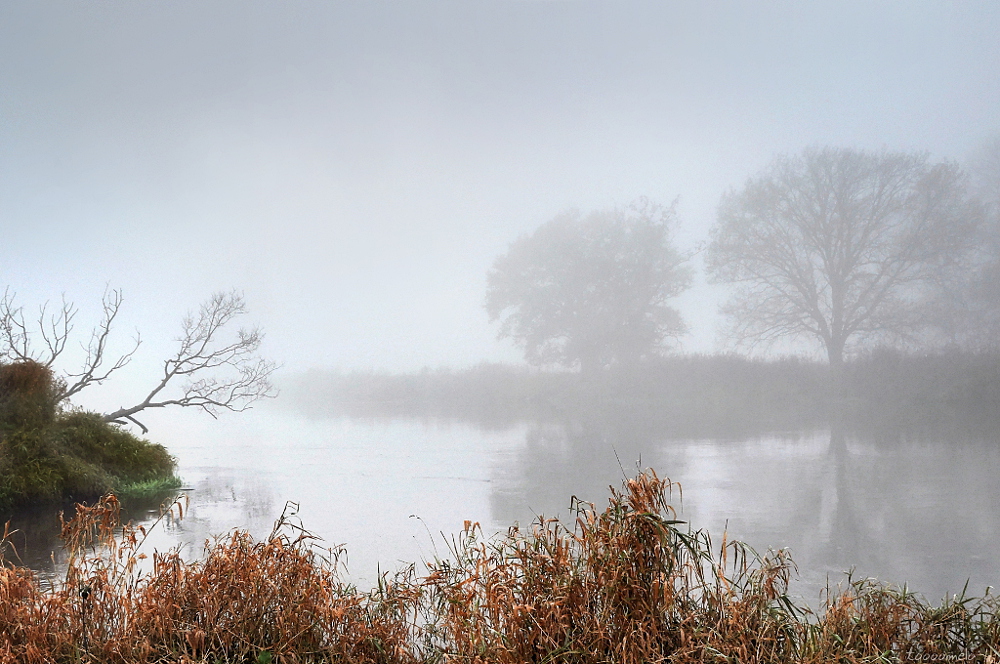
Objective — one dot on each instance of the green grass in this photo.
(79, 457)
(146, 490)
(51, 455)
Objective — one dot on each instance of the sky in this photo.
(355, 167)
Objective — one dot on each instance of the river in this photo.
(918, 510)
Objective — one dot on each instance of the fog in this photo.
(355, 168)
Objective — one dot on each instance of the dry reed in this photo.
(626, 584)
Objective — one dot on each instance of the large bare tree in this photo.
(840, 245)
(209, 370)
(975, 300)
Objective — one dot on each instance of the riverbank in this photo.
(686, 395)
(622, 583)
(52, 455)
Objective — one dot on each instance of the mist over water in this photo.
(923, 512)
(355, 169)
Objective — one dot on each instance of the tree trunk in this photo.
(838, 380)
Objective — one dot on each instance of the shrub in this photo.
(50, 455)
(109, 447)
(27, 395)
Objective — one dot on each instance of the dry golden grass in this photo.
(627, 584)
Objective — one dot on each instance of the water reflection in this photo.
(905, 508)
(225, 500)
(899, 508)
(34, 539)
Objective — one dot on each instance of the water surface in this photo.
(905, 509)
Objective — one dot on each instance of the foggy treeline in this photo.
(885, 262)
(684, 395)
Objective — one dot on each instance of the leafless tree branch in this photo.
(55, 331)
(217, 375)
(840, 245)
(245, 376)
(96, 349)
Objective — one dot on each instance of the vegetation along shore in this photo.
(685, 395)
(624, 583)
(48, 454)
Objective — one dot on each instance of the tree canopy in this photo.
(971, 305)
(840, 245)
(591, 291)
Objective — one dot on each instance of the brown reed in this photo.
(626, 584)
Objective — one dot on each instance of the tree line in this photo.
(845, 249)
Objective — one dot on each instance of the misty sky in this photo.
(354, 168)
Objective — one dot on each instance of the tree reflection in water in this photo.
(917, 509)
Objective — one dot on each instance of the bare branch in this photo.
(55, 331)
(243, 376)
(134, 421)
(215, 375)
(90, 373)
(13, 331)
(16, 335)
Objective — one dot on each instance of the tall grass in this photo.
(625, 584)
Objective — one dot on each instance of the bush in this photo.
(27, 395)
(114, 450)
(50, 455)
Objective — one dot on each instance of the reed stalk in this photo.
(625, 584)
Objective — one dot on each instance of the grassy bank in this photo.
(682, 395)
(687, 392)
(48, 454)
(626, 583)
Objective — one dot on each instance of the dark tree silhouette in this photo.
(840, 245)
(591, 291)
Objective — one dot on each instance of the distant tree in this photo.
(985, 171)
(840, 246)
(217, 374)
(591, 291)
(974, 301)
